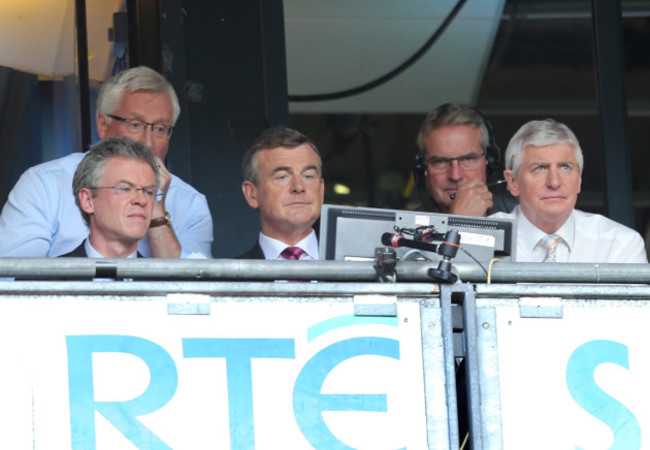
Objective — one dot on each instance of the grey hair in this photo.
(452, 114)
(90, 170)
(139, 78)
(540, 133)
(269, 139)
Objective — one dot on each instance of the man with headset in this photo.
(456, 149)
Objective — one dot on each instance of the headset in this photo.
(494, 168)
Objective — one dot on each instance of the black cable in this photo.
(390, 75)
(475, 260)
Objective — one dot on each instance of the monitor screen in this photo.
(354, 232)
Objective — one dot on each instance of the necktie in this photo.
(292, 253)
(550, 243)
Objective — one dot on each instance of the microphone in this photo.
(397, 240)
(448, 248)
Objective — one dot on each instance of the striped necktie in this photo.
(550, 243)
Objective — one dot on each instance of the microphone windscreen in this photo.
(387, 239)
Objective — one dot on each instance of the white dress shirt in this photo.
(586, 238)
(272, 247)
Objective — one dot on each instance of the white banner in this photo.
(580, 381)
(83, 374)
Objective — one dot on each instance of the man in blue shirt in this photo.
(40, 217)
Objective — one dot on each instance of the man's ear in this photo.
(580, 183)
(102, 126)
(250, 193)
(512, 182)
(322, 190)
(86, 201)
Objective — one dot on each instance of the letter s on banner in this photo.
(584, 390)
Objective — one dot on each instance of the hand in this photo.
(165, 179)
(472, 199)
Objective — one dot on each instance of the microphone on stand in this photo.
(448, 249)
(397, 240)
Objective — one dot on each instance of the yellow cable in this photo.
(464, 441)
(489, 274)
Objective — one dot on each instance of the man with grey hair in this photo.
(457, 153)
(544, 165)
(40, 217)
(115, 187)
(282, 179)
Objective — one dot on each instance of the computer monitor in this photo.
(354, 232)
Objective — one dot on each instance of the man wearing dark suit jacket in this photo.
(115, 187)
(283, 180)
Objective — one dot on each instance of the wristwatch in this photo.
(165, 220)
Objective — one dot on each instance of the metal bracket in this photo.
(540, 307)
(188, 304)
(375, 305)
(385, 262)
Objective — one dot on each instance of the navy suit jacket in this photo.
(80, 252)
(254, 253)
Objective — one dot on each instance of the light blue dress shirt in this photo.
(42, 219)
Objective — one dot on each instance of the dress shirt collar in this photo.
(273, 247)
(92, 253)
(531, 236)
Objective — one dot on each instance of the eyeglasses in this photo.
(136, 126)
(466, 162)
(130, 189)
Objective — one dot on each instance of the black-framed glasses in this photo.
(130, 189)
(136, 126)
(467, 162)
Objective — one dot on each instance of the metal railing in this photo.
(339, 271)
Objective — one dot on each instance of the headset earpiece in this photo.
(492, 152)
(419, 167)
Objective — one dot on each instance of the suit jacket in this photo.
(80, 252)
(254, 253)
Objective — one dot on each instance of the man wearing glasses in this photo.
(40, 217)
(115, 187)
(456, 147)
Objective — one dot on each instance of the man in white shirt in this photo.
(282, 173)
(115, 188)
(544, 164)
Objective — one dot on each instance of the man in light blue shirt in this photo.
(40, 217)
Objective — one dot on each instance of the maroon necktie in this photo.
(292, 253)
